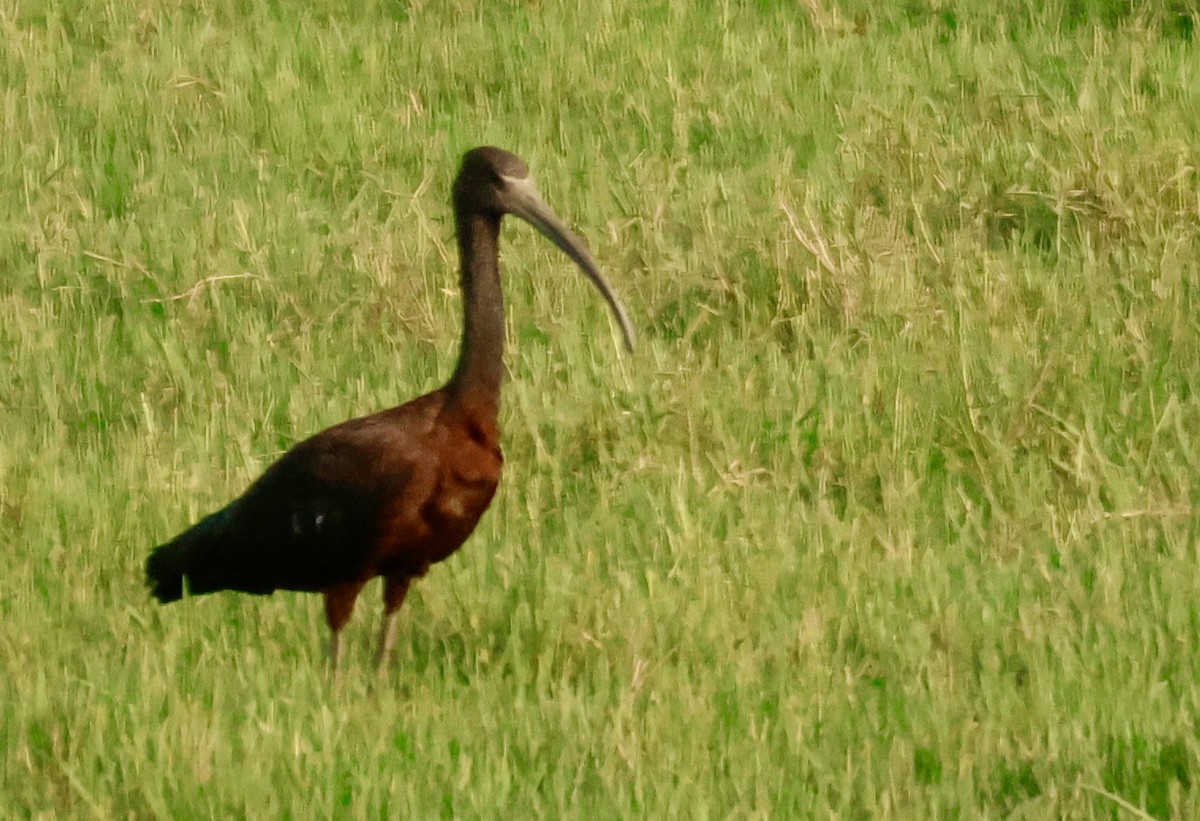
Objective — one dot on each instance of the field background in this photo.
(891, 515)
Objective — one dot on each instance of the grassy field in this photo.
(893, 514)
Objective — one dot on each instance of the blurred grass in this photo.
(892, 514)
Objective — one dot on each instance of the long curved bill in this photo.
(527, 204)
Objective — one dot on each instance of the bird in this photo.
(395, 492)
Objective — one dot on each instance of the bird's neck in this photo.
(476, 380)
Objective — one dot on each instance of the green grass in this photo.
(892, 514)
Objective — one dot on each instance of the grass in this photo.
(893, 513)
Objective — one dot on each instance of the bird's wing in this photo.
(312, 518)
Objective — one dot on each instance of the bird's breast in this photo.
(454, 494)
(462, 495)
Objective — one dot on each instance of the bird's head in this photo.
(493, 181)
(489, 179)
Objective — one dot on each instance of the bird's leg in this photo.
(335, 653)
(339, 604)
(394, 591)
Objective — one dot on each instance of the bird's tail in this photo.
(189, 555)
(165, 570)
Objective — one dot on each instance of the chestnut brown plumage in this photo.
(392, 493)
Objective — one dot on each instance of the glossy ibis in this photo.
(391, 493)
